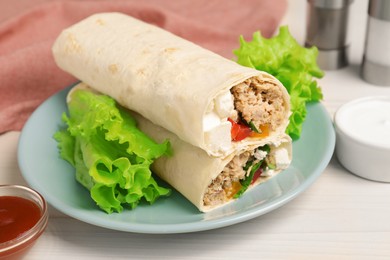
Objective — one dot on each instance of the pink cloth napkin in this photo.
(28, 74)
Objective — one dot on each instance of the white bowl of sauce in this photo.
(23, 218)
(363, 137)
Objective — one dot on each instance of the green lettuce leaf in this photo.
(112, 157)
(293, 65)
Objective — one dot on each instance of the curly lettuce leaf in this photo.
(112, 157)
(293, 65)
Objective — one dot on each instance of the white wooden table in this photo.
(341, 216)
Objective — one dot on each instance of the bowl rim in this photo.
(34, 231)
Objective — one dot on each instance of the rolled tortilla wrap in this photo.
(207, 181)
(174, 83)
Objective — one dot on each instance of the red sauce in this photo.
(17, 215)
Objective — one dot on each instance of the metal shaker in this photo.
(376, 58)
(326, 28)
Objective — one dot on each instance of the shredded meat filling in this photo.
(259, 102)
(233, 172)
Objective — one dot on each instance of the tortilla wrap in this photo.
(200, 177)
(207, 181)
(174, 83)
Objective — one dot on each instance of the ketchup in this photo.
(17, 215)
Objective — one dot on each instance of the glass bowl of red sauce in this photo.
(23, 218)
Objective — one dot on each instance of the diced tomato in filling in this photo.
(241, 131)
(257, 175)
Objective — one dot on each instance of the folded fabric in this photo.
(28, 74)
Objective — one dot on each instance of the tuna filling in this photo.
(231, 180)
(259, 102)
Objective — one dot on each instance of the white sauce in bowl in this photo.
(367, 120)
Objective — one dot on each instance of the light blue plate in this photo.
(54, 178)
